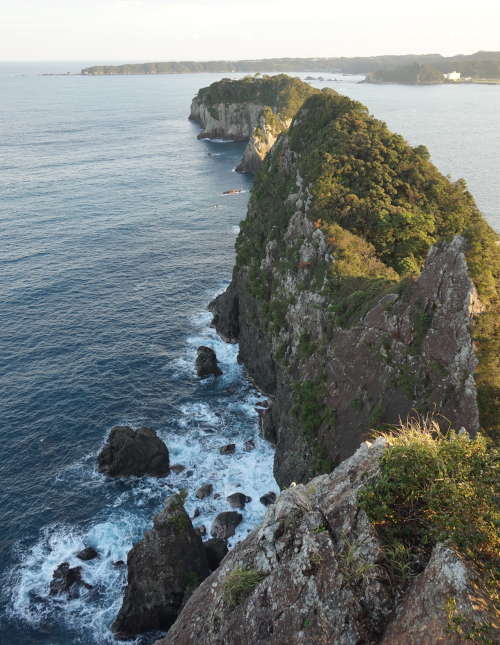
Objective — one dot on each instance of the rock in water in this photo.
(129, 452)
(224, 525)
(228, 449)
(87, 554)
(206, 362)
(238, 500)
(68, 581)
(205, 490)
(216, 550)
(268, 499)
(163, 569)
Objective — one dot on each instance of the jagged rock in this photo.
(68, 581)
(87, 554)
(228, 449)
(206, 362)
(268, 499)
(238, 500)
(224, 525)
(250, 444)
(196, 513)
(323, 577)
(129, 452)
(205, 490)
(161, 569)
(118, 564)
(177, 468)
(201, 530)
(216, 550)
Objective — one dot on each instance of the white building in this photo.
(452, 76)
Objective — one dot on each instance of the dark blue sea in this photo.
(114, 236)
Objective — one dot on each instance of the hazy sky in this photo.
(160, 30)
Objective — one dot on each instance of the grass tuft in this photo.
(239, 584)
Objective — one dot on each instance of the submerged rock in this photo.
(134, 453)
(206, 362)
(216, 550)
(68, 581)
(238, 500)
(177, 468)
(224, 525)
(162, 570)
(250, 444)
(87, 554)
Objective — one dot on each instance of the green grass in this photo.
(240, 584)
(435, 488)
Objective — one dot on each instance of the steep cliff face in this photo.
(346, 333)
(316, 571)
(252, 109)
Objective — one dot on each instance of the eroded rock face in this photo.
(129, 452)
(216, 550)
(162, 569)
(369, 374)
(206, 362)
(324, 578)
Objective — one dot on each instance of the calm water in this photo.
(114, 235)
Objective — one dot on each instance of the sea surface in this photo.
(114, 237)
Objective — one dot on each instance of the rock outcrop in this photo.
(206, 362)
(134, 453)
(68, 581)
(320, 576)
(163, 570)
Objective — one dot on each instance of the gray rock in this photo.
(87, 554)
(268, 499)
(205, 490)
(161, 569)
(196, 513)
(68, 581)
(129, 452)
(177, 468)
(228, 449)
(206, 362)
(201, 530)
(250, 444)
(238, 500)
(224, 525)
(216, 550)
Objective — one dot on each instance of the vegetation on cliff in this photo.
(435, 488)
(414, 73)
(365, 182)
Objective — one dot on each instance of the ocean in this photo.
(115, 235)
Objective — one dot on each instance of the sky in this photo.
(162, 30)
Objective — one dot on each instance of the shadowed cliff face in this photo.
(411, 351)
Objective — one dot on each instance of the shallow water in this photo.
(114, 236)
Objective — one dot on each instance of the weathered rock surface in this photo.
(129, 452)
(365, 366)
(87, 554)
(206, 362)
(204, 491)
(161, 570)
(216, 550)
(225, 524)
(324, 577)
(238, 500)
(68, 581)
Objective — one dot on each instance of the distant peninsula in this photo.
(356, 65)
(420, 74)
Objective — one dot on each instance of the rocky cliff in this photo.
(252, 109)
(317, 571)
(355, 295)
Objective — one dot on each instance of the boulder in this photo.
(268, 499)
(206, 362)
(134, 453)
(205, 490)
(216, 550)
(87, 554)
(177, 468)
(162, 570)
(201, 530)
(196, 513)
(119, 564)
(238, 500)
(68, 581)
(224, 525)
(228, 449)
(250, 444)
